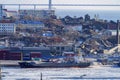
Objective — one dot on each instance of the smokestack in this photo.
(118, 26)
(50, 4)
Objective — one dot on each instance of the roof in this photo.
(36, 48)
(31, 22)
(10, 11)
(68, 53)
(6, 21)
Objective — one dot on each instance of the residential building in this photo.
(8, 13)
(7, 28)
(113, 32)
(75, 28)
(59, 49)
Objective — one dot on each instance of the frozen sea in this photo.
(91, 73)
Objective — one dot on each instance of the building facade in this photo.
(7, 28)
(8, 13)
(31, 25)
(36, 13)
(24, 53)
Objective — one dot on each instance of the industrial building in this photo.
(43, 14)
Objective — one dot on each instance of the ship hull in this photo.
(53, 65)
(118, 64)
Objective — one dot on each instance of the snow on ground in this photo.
(91, 73)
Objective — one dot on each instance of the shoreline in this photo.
(12, 63)
(9, 63)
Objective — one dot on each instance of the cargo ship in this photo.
(68, 60)
(53, 65)
(118, 64)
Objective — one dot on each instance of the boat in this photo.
(68, 60)
(53, 65)
(118, 64)
(56, 63)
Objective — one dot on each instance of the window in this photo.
(57, 48)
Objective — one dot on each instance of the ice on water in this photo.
(112, 73)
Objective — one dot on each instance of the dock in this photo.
(9, 63)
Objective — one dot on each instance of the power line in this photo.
(63, 4)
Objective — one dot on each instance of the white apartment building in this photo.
(7, 28)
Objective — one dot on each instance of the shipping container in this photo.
(14, 56)
(35, 55)
(3, 54)
(26, 58)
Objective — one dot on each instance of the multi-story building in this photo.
(7, 28)
(36, 13)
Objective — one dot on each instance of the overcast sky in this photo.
(66, 2)
(61, 1)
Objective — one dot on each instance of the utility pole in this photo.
(41, 76)
(0, 72)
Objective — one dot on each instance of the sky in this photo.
(62, 1)
(68, 2)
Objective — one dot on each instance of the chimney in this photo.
(118, 26)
